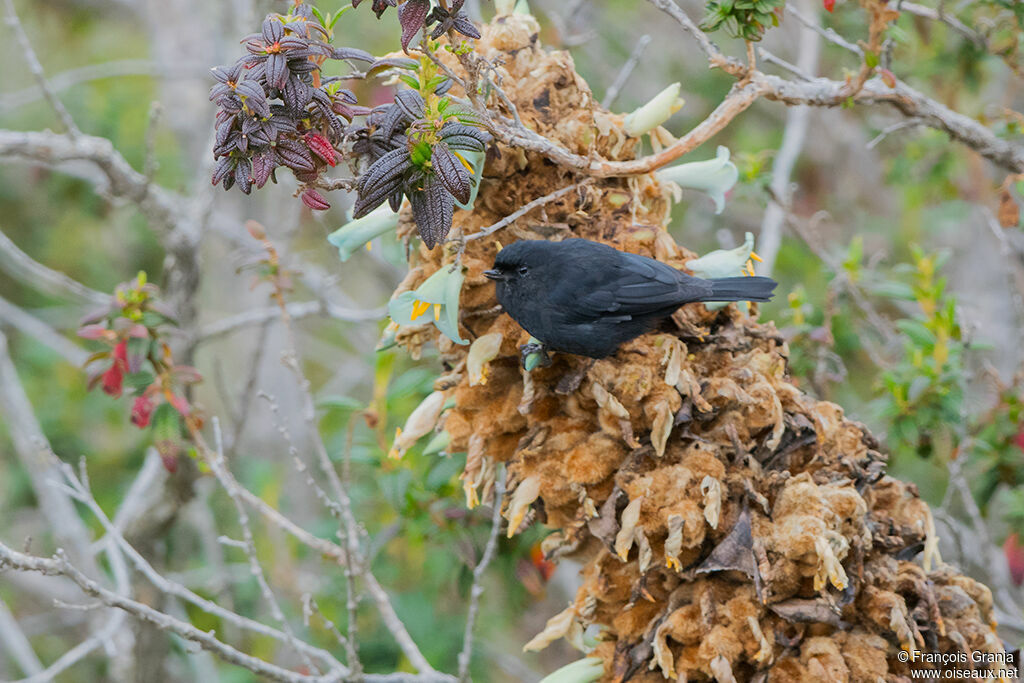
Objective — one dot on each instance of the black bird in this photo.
(587, 298)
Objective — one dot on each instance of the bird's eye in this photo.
(523, 270)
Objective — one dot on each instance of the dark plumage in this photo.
(587, 298)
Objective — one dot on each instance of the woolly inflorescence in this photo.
(732, 527)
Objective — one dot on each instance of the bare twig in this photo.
(255, 568)
(477, 589)
(889, 130)
(709, 49)
(59, 565)
(29, 53)
(527, 208)
(626, 71)
(793, 136)
(825, 32)
(946, 18)
(33, 449)
(21, 266)
(174, 589)
(14, 641)
(163, 208)
(344, 509)
(297, 311)
(32, 326)
(91, 72)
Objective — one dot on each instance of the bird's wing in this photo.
(634, 286)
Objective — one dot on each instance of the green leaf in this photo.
(893, 290)
(166, 423)
(918, 386)
(139, 380)
(918, 333)
(342, 403)
(410, 81)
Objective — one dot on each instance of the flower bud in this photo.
(654, 113)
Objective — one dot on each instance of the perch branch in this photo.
(527, 208)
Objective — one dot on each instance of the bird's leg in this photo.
(534, 354)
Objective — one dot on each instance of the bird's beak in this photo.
(495, 275)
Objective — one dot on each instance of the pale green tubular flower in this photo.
(436, 301)
(511, 7)
(586, 670)
(714, 176)
(654, 113)
(726, 263)
(350, 237)
(438, 444)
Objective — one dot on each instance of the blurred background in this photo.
(899, 254)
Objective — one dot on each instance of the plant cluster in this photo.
(414, 147)
(275, 109)
(137, 358)
(926, 386)
(746, 19)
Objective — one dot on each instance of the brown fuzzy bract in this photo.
(753, 534)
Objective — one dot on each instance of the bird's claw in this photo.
(534, 354)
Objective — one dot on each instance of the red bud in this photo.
(1014, 551)
(322, 147)
(142, 409)
(315, 200)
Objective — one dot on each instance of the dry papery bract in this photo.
(732, 527)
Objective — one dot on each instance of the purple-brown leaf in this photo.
(411, 103)
(451, 172)
(411, 16)
(432, 209)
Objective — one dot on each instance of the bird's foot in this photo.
(534, 354)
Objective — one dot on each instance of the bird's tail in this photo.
(744, 288)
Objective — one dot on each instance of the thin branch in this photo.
(344, 508)
(793, 136)
(29, 53)
(297, 311)
(821, 92)
(33, 450)
(626, 71)
(255, 568)
(177, 590)
(889, 130)
(32, 326)
(527, 208)
(21, 266)
(709, 49)
(738, 100)
(14, 641)
(118, 68)
(59, 565)
(825, 32)
(165, 209)
(477, 589)
(946, 18)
